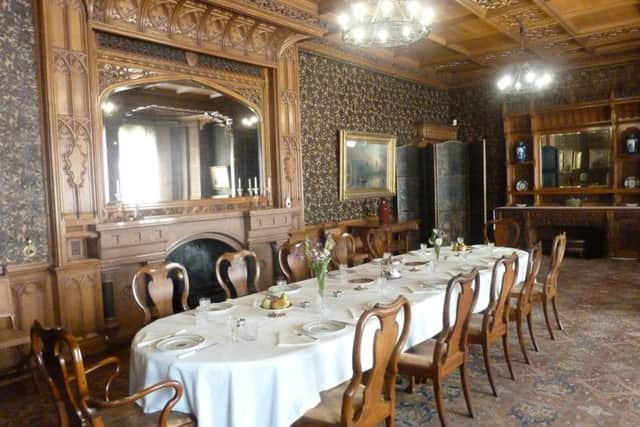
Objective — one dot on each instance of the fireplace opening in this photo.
(199, 257)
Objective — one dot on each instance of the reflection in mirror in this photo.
(178, 140)
(576, 159)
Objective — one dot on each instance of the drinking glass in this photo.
(343, 274)
(465, 255)
(248, 330)
(233, 323)
(423, 249)
(204, 303)
(491, 247)
(382, 280)
(460, 240)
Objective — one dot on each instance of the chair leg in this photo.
(465, 387)
(521, 339)
(533, 338)
(545, 308)
(390, 421)
(487, 364)
(437, 389)
(506, 355)
(412, 385)
(555, 312)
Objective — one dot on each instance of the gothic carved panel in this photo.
(74, 138)
(195, 24)
(114, 67)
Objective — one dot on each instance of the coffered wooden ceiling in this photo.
(472, 40)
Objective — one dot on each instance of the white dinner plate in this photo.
(286, 289)
(361, 281)
(369, 305)
(377, 260)
(179, 343)
(322, 328)
(479, 246)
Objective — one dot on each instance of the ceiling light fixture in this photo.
(385, 23)
(524, 78)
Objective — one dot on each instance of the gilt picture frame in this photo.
(367, 165)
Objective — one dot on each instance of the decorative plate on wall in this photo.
(522, 185)
(631, 182)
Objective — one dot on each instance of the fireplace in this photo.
(199, 257)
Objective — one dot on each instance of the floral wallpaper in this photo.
(22, 199)
(335, 95)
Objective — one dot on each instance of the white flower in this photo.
(439, 241)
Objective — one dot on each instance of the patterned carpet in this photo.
(588, 376)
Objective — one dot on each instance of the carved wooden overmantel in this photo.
(77, 72)
(433, 133)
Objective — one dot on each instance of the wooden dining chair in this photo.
(368, 398)
(378, 242)
(503, 232)
(238, 273)
(12, 338)
(344, 250)
(161, 289)
(293, 263)
(491, 324)
(520, 309)
(547, 292)
(437, 358)
(59, 361)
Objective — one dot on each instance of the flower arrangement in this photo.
(318, 256)
(437, 239)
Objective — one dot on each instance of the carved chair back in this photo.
(557, 255)
(378, 242)
(380, 382)
(161, 289)
(496, 315)
(343, 250)
(293, 263)
(533, 268)
(505, 232)
(451, 342)
(238, 273)
(59, 360)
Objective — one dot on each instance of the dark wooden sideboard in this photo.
(612, 231)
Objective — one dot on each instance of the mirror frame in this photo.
(538, 154)
(178, 207)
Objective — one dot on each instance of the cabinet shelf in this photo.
(629, 157)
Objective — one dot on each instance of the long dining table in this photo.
(273, 378)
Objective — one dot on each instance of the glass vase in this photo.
(321, 277)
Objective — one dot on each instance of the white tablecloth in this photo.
(260, 383)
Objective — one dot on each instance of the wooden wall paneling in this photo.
(288, 138)
(69, 99)
(79, 299)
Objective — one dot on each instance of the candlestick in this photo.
(255, 182)
(268, 185)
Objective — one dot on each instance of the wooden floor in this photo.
(588, 376)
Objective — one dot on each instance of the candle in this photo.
(255, 182)
(239, 184)
(269, 184)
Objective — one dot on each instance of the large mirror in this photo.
(576, 159)
(179, 140)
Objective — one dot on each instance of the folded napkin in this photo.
(423, 288)
(150, 341)
(292, 339)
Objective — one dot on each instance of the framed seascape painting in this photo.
(367, 165)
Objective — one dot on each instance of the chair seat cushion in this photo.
(418, 358)
(538, 288)
(131, 415)
(13, 337)
(329, 410)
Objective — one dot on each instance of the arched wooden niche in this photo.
(168, 141)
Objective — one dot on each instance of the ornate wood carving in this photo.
(288, 119)
(115, 67)
(196, 25)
